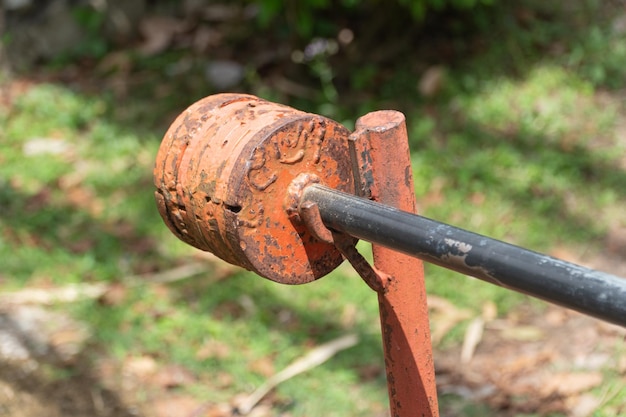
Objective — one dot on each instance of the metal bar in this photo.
(380, 153)
(582, 289)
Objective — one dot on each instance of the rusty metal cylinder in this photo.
(223, 177)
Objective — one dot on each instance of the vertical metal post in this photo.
(380, 148)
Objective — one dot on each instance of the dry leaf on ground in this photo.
(176, 406)
(444, 316)
(570, 383)
(309, 361)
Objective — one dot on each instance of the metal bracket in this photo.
(310, 215)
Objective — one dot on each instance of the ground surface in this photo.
(104, 313)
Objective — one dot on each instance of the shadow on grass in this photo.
(47, 384)
(563, 194)
(45, 223)
(81, 394)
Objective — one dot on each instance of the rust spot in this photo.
(293, 159)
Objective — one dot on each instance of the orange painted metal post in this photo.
(379, 146)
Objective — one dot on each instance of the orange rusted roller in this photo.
(223, 175)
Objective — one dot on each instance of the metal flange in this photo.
(224, 173)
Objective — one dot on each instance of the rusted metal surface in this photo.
(310, 214)
(222, 176)
(230, 174)
(379, 147)
(286, 193)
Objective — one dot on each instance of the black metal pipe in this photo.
(591, 292)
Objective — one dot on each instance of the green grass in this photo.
(87, 214)
(531, 161)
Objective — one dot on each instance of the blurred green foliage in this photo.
(303, 16)
(419, 8)
(93, 44)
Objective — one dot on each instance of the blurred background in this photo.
(516, 112)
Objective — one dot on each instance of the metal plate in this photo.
(223, 172)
